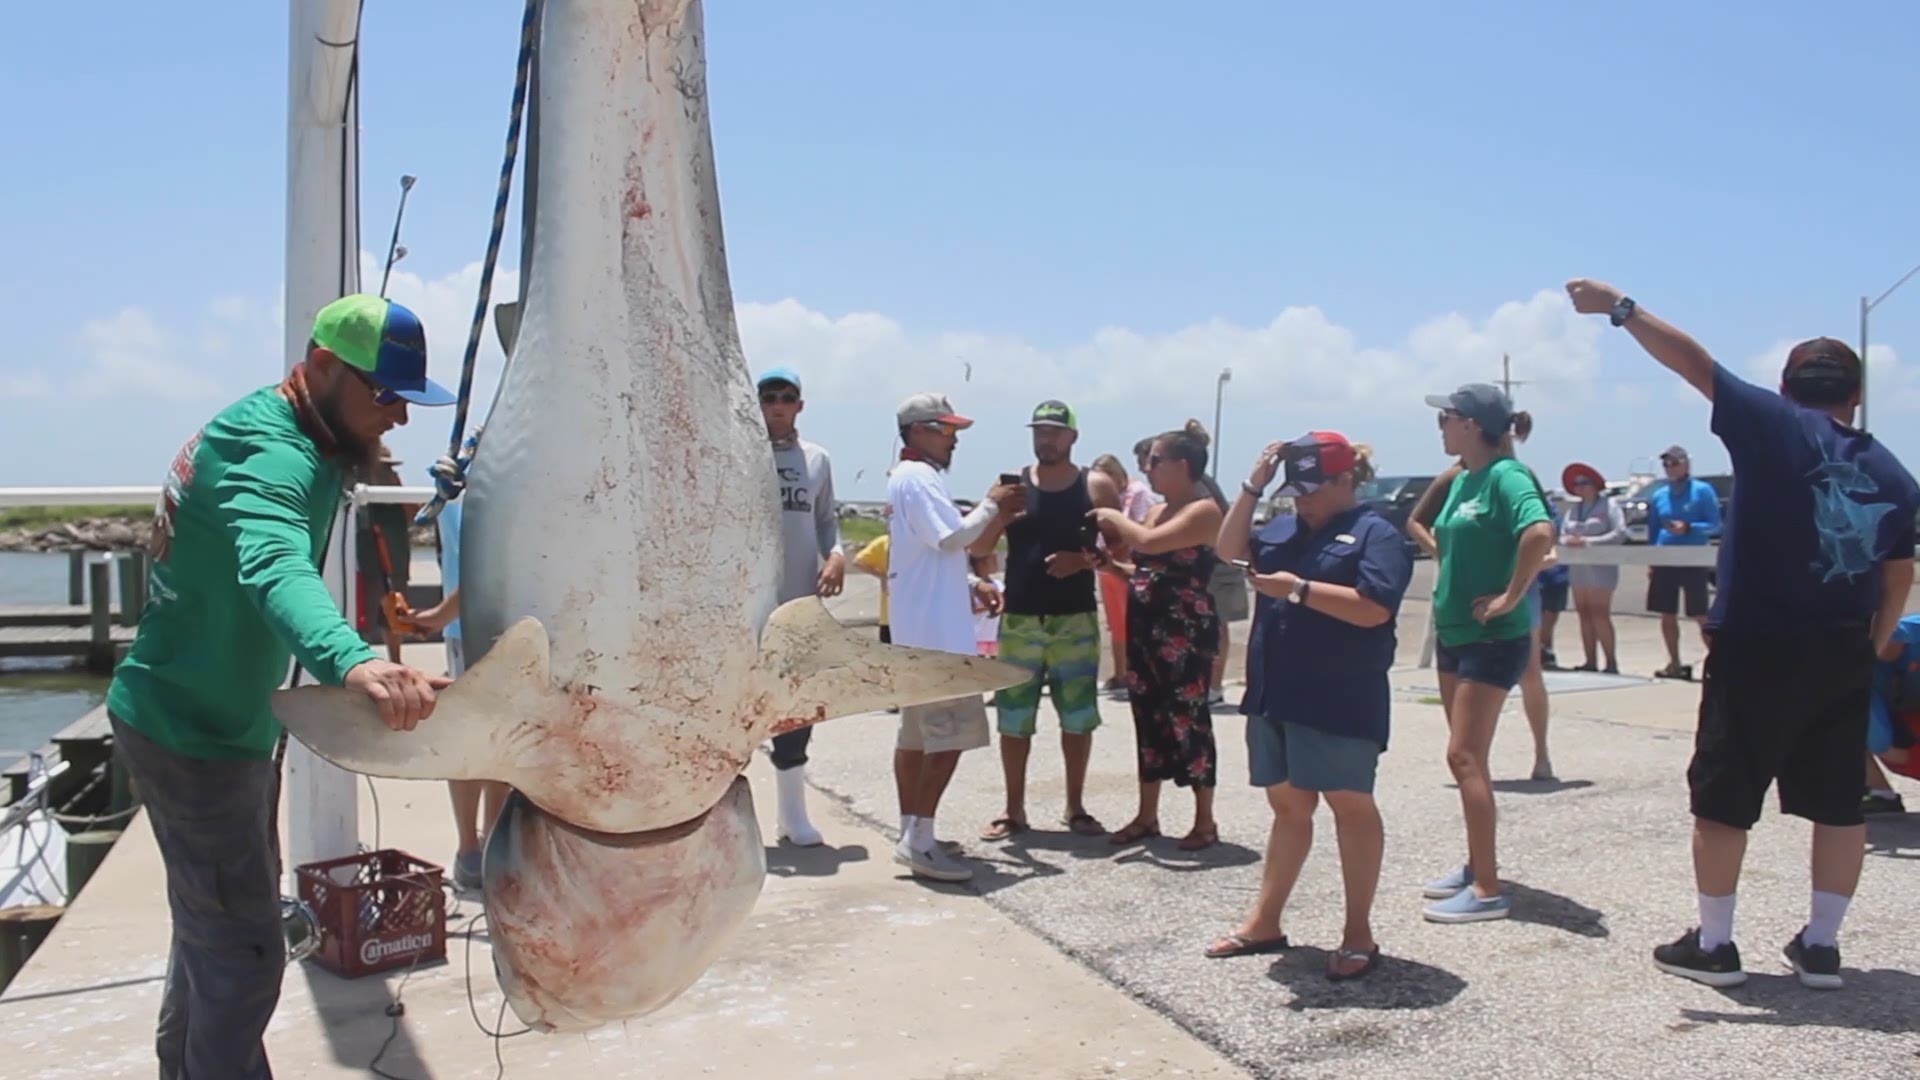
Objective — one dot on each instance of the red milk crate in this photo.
(377, 911)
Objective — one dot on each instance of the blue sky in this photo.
(1107, 202)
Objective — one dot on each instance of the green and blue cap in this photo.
(385, 343)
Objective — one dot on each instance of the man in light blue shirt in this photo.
(1683, 512)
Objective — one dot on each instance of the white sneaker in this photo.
(933, 863)
(794, 825)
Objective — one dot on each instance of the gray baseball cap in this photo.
(929, 409)
(1482, 403)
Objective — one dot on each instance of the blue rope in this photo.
(460, 449)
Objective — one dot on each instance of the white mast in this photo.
(323, 263)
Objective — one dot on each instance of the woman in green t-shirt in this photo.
(1492, 535)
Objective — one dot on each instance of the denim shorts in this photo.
(1495, 663)
(1310, 759)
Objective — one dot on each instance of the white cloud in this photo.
(1300, 353)
(20, 387)
(130, 354)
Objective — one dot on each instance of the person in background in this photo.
(236, 599)
(1593, 519)
(1492, 535)
(1534, 700)
(1683, 512)
(872, 561)
(1815, 572)
(1173, 632)
(811, 565)
(1136, 498)
(1330, 578)
(1230, 595)
(476, 803)
(989, 600)
(1555, 583)
(1051, 627)
(932, 608)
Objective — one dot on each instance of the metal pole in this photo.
(1865, 371)
(323, 264)
(1219, 395)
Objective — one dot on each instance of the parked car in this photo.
(1393, 498)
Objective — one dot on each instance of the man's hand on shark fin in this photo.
(405, 696)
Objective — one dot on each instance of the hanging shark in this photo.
(620, 554)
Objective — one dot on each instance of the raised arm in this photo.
(1663, 341)
(1196, 523)
(1236, 529)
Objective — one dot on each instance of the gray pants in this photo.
(216, 825)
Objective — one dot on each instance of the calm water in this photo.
(39, 698)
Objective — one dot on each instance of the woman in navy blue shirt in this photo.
(1329, 579)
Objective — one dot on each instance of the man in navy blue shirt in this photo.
(1815, 568)
(1329, 579)
(1683, 512)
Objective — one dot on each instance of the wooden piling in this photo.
(100, 650)
(133, 586)
(22, 929)
(85, 852)
(76, 577)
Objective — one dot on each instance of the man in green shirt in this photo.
(236, 595)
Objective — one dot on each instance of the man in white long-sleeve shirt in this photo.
(811, 564)
(932, 608)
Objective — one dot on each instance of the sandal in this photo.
(1134, 832)
(1200, 841)
(1001, 828)
(1084, 824)
(1369, 960)
(1242, 945)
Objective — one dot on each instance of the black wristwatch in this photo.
(1623, 310)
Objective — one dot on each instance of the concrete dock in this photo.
(1067, 958)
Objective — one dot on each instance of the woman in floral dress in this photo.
(1173, 632)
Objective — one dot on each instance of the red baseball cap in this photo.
(1315, 459)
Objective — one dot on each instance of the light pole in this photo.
(1866, 308)
(1219, 394)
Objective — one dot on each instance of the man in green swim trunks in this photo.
(1051, 624)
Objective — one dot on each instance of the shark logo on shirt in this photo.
(1849, 530)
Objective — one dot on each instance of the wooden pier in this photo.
(88, 627)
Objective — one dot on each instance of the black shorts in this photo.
(1665, 584)
(1787, 709)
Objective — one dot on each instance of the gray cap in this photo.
(1482, 403)
(929, 409)
(1674, 453)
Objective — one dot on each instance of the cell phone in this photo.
(1089, 534)
(1011, 478)
(1242, 564)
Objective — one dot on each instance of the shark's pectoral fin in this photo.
(819, 669)
(455, 743)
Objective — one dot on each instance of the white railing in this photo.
(359, 496)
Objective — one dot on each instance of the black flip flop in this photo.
(1246, 946)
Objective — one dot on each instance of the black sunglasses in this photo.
(780, 397)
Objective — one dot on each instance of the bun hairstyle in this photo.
(1189, 444)
(1517, 431)
(1522, 425)
(1110, 465)
(1362, 463)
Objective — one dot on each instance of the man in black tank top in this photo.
(1051, 623)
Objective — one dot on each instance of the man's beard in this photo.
(354, 450)
(1052, 457)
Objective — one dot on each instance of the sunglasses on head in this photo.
(381, 395)
(780, 397)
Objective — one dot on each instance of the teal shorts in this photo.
(1308, 758)
(1063, 653)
